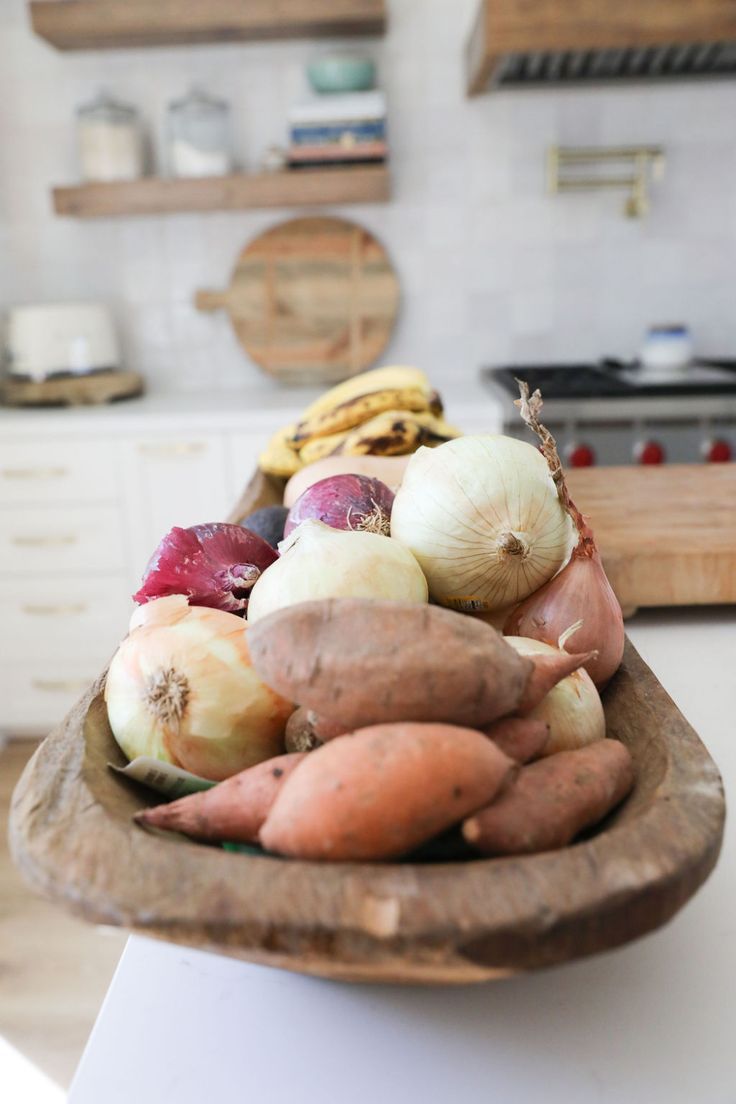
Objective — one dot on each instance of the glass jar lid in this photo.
(104, 108)
(197, 102)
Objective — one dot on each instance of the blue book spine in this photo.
(358, 132)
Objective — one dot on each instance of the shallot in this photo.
(213, 565)
(572, 708)
(348, 501)
(580, 592)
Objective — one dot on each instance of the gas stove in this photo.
(618, 413)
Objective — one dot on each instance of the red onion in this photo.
(580, 592)
(214, 565)
(356, 502)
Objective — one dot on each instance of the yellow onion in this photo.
(181, 688)
(572, 709)
(317, 561)
(482, 516)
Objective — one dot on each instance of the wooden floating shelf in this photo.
(543, 42)
(111, 24)
(290, 188)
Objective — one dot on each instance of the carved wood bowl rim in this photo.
(72, 837)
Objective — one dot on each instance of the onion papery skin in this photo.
(212, 565)
(389, 469)
(316, 562)
(181, 688)
(483, 518)
(580, 592)
(351, 502)
(572, 709)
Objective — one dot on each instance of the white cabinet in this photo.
(172, 479)
(80, 515)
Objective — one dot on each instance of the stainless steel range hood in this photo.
(527, 42)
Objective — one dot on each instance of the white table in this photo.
(648, 1023)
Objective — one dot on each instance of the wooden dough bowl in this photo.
(72, 836)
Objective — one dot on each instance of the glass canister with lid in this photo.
(110, 140)
(198, 134)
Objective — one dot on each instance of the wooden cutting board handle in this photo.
(206, 300)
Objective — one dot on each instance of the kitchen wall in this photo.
(491, 268)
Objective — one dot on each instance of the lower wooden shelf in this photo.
(290, 188)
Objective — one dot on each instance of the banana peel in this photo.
(395, 433)
(387, 412)
(360, 397)
(279, 457)
(354, 412)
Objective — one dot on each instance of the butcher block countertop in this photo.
(667, 535)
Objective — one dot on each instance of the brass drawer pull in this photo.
(51, 540)
(33, 473)
(173, 448)
(53, 686)
(56, 611)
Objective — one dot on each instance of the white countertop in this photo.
(261, 407)
(648, 1023)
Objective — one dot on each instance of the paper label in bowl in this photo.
(165, 778)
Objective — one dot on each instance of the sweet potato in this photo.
(382, 791)
(552, 800)
(306, 730)
(233, 810)
(521, 738)
(359, 661)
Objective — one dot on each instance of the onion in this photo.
(319, 562)
(572, 708)
(181, 688)
(345, 502)
(268, 522)
(482, 516)
(389, 469)
(212, 565)
(580, 592)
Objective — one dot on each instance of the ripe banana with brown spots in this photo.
(279, 457)
(394, 433)
(359, 409)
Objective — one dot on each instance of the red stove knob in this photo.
(717, 452)
(649, 452)
(580, 456)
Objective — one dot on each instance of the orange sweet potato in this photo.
(380, 792)
(233, 810)
(552, 800)
(358, 662)
(521, 738)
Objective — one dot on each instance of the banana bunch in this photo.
(386, 412)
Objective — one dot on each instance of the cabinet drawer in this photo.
(74, 619)
(54, 540)
(64, 471)
(36, 697)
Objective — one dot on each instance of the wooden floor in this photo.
(54, 970)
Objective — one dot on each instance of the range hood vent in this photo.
(537, 42)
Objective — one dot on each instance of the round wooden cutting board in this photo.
(312, 300)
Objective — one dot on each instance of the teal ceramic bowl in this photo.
(341, 73)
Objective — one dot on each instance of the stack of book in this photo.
(338, 129)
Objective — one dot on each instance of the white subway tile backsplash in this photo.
(491, 267)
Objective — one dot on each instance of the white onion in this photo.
(319, 562)
(482, 516)
(572, 709)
